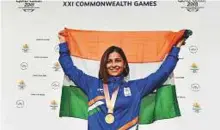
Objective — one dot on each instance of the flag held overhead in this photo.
(150, 45)
(145, 50)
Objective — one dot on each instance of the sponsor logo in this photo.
(194, 68)
(192, 5)
(24, 65)
(53, 105)
(56, 66)
(25, 48)
(195, 87)
(21, 84)
(193, 49)
(196, 107)
(28, 5)
(19, 103)
(55, 85)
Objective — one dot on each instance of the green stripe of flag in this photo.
(74, 103)
(160, 105)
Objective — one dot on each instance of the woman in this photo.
(122, 99)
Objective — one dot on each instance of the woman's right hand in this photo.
(181, 43)
(61, 38)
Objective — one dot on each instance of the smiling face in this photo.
(115, 64)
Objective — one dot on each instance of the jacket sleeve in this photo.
(155, 80)
(81, 79)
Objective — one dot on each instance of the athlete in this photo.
(122, 98)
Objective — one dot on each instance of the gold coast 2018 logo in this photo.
(192, 5)
(28, 5)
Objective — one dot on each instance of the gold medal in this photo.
(109, 118)
(110, 103)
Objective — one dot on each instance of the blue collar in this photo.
(116, 79)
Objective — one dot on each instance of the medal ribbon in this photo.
(110, 102)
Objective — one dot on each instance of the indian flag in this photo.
(145, 51)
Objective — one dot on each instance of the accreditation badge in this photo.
(127, 91)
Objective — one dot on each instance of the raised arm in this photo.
(81, 79)
(154, 80)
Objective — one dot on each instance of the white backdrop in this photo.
(38, 29)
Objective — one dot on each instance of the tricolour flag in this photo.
(145, 51)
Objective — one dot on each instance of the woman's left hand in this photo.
(181, 43)
(61, 38)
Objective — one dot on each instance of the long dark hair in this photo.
(103, 73)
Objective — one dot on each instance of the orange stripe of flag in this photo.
(139, 46)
